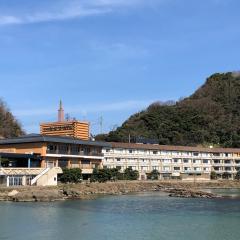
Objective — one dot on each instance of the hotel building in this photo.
(38, 159)
(37, 155)
(186, 163)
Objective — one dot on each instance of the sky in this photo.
(110, 58)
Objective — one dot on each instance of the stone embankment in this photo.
(92, 190)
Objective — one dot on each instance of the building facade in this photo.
(186, 163)
(66, 127)
(53, 153)
(39, 159)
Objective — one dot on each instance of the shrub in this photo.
(130, 174)
(100, 175)
(226, 175)
(213, 175)
(112, 174)
(72, 175)
(237, 177)
(153, 175)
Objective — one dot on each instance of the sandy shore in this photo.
(91, 190)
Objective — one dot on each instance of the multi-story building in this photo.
(187, 163)
(50, 152)
(66, 127)
(38, 159)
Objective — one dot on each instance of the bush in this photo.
(213, 175)
(113, 174)
(100, 175)
(237, 177)
(153, 175)
(226, 175)
(72, 175)
(130, 174)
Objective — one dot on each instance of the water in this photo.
(148, 216)
(232, 193)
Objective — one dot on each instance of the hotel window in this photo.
(155, 152)
(195, 154)
(227, 161)
(166, 168)
(107, 150)
(130, 151)
(227, 168)
(197, 161)
(186, 160)
(176, 160)
(118, 159)
(205, 161)
(197, 169)
(176, 168)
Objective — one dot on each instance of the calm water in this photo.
(146, 216)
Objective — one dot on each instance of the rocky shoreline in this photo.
(92, 190)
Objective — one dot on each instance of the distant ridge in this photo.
(9, 126)
(211, 116)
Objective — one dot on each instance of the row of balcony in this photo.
(80, 153)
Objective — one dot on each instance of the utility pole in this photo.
(101, 124)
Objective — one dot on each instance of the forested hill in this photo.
(210, 116)
(9, 126)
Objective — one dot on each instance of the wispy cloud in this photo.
(70, 9)
(86, 109)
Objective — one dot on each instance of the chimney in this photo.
(60, 112)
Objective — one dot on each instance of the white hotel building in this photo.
(187, 163)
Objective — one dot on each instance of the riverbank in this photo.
(91, 190)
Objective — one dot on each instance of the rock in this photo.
(12, 193)
(37, 196)
(184, 193)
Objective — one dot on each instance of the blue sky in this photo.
(110, 58)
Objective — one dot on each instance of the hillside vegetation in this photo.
(9, 126)
(211, 116)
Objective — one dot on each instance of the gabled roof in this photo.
(35, 138)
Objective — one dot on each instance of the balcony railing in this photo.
(81, 153)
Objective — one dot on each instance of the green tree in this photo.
(72, 175)
(9, 126)
(237, 177)
(209, 116)
(130, 174)
(153, 175)
(104, 175)
(213, 175)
